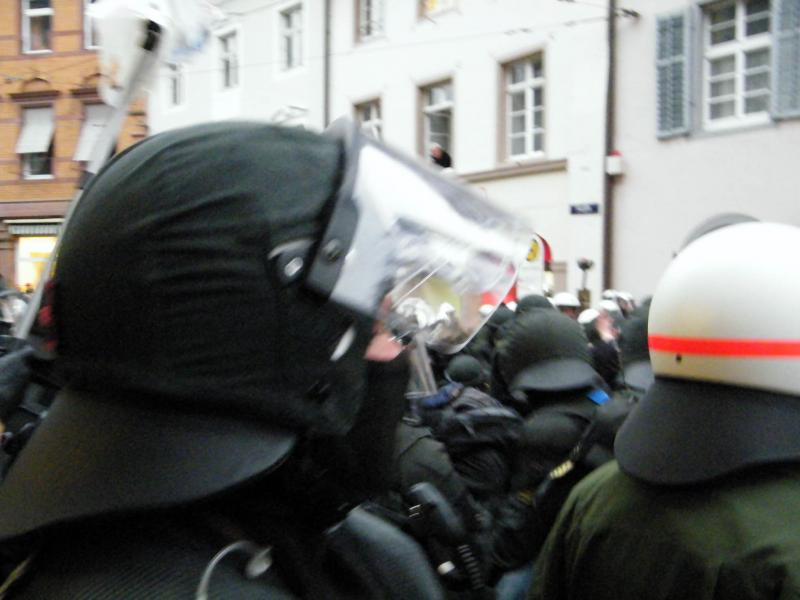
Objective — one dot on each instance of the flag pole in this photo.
(148, 58)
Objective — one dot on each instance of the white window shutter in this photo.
(786, 67)
(38, 126)
(672, 75)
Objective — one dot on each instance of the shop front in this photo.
(32, 241)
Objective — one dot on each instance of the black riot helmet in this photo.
(208, 310)
(544, 351)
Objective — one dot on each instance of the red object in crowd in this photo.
(489, 298)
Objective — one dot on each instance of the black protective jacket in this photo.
(171, 555)
(567, 425)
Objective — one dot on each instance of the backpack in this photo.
(481, 436)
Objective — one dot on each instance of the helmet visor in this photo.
(426, 253)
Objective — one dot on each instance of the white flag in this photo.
(184, 28)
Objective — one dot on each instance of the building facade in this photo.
(50, 114)
(512, 92)
(708, 122)
(263, 62)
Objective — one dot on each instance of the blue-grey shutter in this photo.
(672, 75)
(786, 64)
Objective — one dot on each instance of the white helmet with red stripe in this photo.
(725, 311)
(724, 343)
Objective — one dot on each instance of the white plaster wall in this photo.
(670, 186)
(539, 200)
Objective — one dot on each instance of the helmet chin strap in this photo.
(344, 344)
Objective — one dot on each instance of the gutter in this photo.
(326, 68)
(608, 188)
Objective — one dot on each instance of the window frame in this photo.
(373, 123)
(376, 25)
(739, 47)
(429, 108)
(26, 14)
(290, 36)
(89, 30)
(528, 86)
(229, 58)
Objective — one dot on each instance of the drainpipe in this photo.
(326, 68)
(608, 189)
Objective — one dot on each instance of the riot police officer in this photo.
(699, 505)
(231, 394)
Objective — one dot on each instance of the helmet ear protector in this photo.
(405, 245)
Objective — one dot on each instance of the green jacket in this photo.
(617, 538)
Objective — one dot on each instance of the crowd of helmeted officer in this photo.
(673, 505)
(524, 411)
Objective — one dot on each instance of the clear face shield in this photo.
(420, 252)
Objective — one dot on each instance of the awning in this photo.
(95, 119)
(33, 227)
(37, 130)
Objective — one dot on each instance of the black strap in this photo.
(578, 452)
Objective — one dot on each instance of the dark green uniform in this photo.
(617, 538)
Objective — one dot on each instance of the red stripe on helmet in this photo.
(725, 347)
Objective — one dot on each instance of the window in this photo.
(430, 7)
(37, 25)
(291, 22)
(229, 59)
(38, 165)
(437, 116)
(370, 18)
(90, 38)
(747, 65)
(368, 115)
(35, 142)
(525, 107)
(736, 67)
(175, 85)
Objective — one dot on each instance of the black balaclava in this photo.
(328, 475)
(371, 439)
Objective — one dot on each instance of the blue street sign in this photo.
(584, 209)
